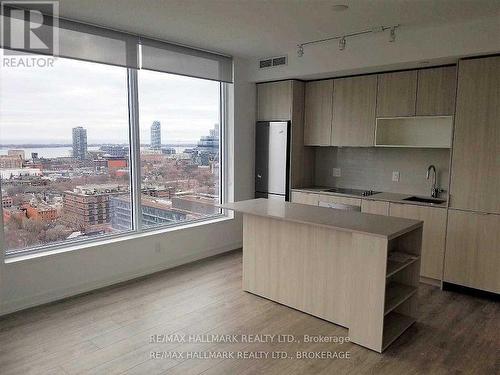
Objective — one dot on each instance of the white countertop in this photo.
(350, 221)
(386, 197)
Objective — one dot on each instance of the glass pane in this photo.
(179, 129)
(64, 153)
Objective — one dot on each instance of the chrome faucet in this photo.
(434, 189)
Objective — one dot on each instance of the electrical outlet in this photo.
(336, 172)
(395, 176)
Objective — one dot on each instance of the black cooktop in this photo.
(361, 193)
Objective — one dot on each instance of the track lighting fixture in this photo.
(392, 34)
(343, 38)
(300, 50)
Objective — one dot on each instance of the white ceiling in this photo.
(260, 28)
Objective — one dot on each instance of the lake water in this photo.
(54, 152)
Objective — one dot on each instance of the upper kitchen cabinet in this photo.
(414, 131)
(284, 100)
(354, 102)
(436, 91)
(397, 94)
(274, 101)
(475, 172)
(318, 113)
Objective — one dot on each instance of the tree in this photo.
(58, 233)
(15, 222)
(33, 225)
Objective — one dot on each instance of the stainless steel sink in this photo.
(425, 200)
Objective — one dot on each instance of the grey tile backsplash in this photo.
(371, 168)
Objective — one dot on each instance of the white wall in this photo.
(372, 53)
(34, 281)
(243, 101)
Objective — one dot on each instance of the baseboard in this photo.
(10, 307)
(471, 291)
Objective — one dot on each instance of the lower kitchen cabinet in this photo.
(375, 207)
(305, 198)
(315, 199)
(433, 237)
(473, 250)
(332, 199)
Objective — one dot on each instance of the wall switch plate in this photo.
(336, 172)
(395, 176)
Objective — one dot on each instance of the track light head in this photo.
(342, 43)
(300, 50)
(392, 34)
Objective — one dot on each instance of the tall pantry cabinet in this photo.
(472, 256)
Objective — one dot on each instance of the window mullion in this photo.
(223, 152)
(3, 247)
(135, 148)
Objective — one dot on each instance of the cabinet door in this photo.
(433, 236)
(318, 113)
(305, 198)
(397, 94)
(337, 199)
(436, 91)
(473, 250)
(274, 101)
(475, 172)
(354, 102)
(374, 207)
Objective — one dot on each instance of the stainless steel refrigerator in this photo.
(272, 160)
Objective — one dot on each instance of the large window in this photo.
(180, 140)
(118, 135)
(66, 151)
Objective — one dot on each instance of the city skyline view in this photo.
(65, 165)
(67, 99)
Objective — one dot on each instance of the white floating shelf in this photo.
(419, 131)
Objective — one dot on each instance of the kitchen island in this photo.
(358, 270)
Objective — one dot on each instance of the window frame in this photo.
(137, 209)
(137, 229)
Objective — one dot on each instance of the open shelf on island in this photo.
(397, 293)
(385, 310)
(394, 325)
(397, 261)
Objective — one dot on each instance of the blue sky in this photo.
(41, 105)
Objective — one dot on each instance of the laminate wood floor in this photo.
(109, 331)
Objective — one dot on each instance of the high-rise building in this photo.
(207, 149)
(115, 150)
(156, 135)
(79, 143)
(211, 141)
